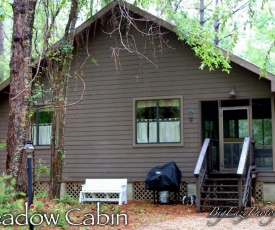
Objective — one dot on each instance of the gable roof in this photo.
(247, 65)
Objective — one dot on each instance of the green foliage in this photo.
(235, 25)
(68, 199)
(42, 194)
(37, 92)
(67, 48)
(2, 14)
(61, 209)
(41, 169)
(94, 61)
(2, 145)
(200, 39)
(6, 19)
(9, 202)
(260, 37)
(115, 210)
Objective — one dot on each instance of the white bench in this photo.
(106, 186)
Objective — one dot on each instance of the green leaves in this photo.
(2, 14)
(94, 61)
(201, 41)
(8, 196)
(245, 28)
(2, 145)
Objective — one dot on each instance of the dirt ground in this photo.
(143, 215)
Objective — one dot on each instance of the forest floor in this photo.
(143, 215)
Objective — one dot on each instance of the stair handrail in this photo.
(201, 156)
(197, 171)
(244, 157)
(243, 168)
(247, 184)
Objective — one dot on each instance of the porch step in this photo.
(219, 199)
(223, 175)
(220, 185)
(221, 179)
(219, 192)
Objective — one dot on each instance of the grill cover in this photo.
(164, 178)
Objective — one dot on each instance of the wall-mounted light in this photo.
(233, 92)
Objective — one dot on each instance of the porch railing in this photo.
(244, 172)
(198, 169)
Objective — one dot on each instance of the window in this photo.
(42, 127)
(158, 121)
(262, 133)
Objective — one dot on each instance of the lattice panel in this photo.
(73, 189)
(103, 195)
(183, 188)
(41, 188)
(140, 193)
(259, 192)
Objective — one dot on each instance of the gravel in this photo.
(202, 222)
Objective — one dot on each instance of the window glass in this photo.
(169, 109)
(262, 133)
(42, 127)
(158, 121)
(146, 110)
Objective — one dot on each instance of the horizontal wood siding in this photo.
(266, 176)
(99, 130)
(4, 112)
(42, 154)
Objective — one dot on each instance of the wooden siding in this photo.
(4, 112)
(266, 176)
(99, 130)
(42, 153)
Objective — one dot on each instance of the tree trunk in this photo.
(59, 83)
(216, 26)
(20, 77)
(201, 12)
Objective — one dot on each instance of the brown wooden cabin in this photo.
(141, 110)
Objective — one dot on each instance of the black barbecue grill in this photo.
(164, 178)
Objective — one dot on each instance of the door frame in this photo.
(221, 133)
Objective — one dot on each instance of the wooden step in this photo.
(220, 185)
(223, 175)
(219, 199)
(219, 192)
(221, 179)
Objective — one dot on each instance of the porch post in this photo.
(198, 193)
(240, 191)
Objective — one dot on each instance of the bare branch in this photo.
(122, 20)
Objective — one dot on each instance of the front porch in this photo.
(238, 143)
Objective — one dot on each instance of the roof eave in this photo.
(4, 84)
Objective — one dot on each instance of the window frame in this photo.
(37, 125)
(135, 144)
